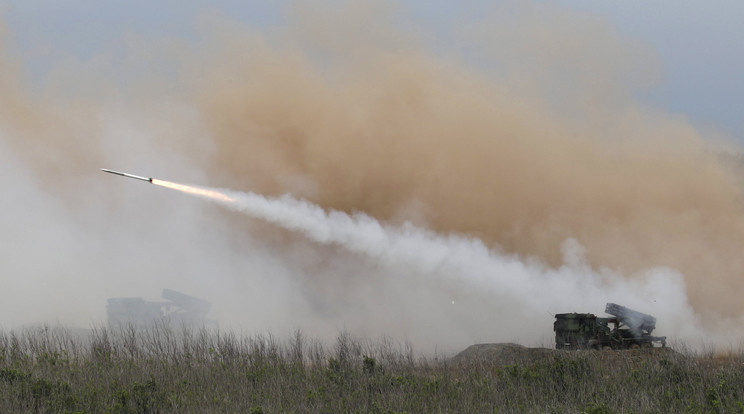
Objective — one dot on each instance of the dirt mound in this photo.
(502, 354)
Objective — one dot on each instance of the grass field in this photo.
(160, 369)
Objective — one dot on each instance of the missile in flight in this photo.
(197, 191)
(137, 177)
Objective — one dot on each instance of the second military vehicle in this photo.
(178, 309)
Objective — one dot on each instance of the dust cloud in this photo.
(519, 146)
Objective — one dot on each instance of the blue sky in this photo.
(701, 47)
(700, 43)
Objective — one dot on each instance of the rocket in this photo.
(197, 191)
(137, 177)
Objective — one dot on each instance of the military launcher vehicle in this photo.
(178, 308)
(626, 329)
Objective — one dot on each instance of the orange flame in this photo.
(201, 192)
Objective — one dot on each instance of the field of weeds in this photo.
(160, 369)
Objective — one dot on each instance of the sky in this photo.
(701, 50)
(699, 44)
(444, 173)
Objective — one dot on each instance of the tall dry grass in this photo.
(171, 369)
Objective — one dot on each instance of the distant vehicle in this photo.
(626, 329)
(178, 309)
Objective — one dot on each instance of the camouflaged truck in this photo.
(625, 329)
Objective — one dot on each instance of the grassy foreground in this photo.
(172, 370)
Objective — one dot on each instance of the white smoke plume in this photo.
(522, 289)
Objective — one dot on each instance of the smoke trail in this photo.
(454, 258)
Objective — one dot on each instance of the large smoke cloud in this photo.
(395, 132)
(522, 132)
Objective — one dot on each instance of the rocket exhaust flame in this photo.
(199, 192)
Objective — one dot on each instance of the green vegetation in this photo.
(179, 370)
